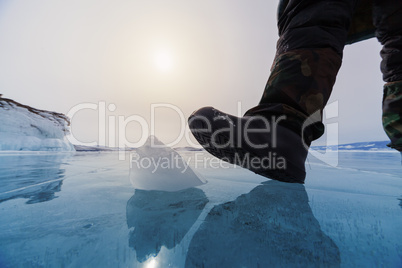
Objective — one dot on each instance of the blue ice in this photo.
(80, 209)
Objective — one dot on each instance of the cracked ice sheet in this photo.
(86, 221)
(356, 204)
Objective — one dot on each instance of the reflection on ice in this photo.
(271, 226)
(98, 220)
(155, 166)
(161, 219)
(36, 177)
(152, 263)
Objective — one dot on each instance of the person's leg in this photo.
(388, 22)
(309, 54)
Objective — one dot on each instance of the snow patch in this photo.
(24, 128)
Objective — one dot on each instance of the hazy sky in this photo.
(131, 54)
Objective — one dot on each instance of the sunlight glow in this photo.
(152, 264)
(163, 60)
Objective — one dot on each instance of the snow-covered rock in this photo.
(24, 128)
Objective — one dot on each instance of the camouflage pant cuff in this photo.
(392, 113)
(302, 79)
(294, 119)
(395, 146)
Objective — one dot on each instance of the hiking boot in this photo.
(257, 143)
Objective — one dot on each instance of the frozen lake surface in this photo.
(81, 210)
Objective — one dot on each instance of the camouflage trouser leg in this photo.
(392, 114)
(387, 16)
(309, 55)
(300, 84)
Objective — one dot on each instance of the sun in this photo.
(163, 60)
